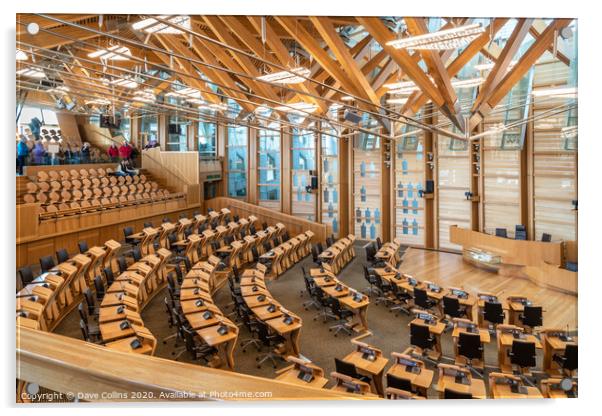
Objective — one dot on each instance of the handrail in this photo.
(94, 373)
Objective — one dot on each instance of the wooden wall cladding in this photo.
(30, 249)
(294, 225)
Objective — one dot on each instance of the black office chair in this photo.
(320, 247)
(47, 263)
(421, 337)
(379, 243)
(100, 288)
(342, 316)
(493, 313)
(310, 289)
(371, 279)
(127, 234)
(93, 309)
(264, 225)
(370, 252)
(236, 218)
(122, 263)
(109, 276)
(26, 275)
(83, 246)
(270, 341)
(62, 256)
(501, 232)
(403, 298)
(252, 229)
(329, 241)
(135, 253)
(350, 370)
(165, 220)
(470, 347)
(399, 383)
(384, 288)
(532, 316)
(93, 329)
(452, 308)
(453, 394)
(198, 350)
(522, 354)
(323, 301)
(314, 255)
(546, 238)
(422, 300)
(568, 361)
(148, 225)
(86, 333)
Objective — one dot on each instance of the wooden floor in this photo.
(449, 269)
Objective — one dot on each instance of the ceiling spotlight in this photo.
(33, 28)
(298, 108)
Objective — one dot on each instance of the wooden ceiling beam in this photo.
(418, 99)
(309, 43)
(520, 32)
(436, 67)
(276, 46)
(345, 59)
(539, 26)
(382, 35)
(527, 60)
(248, 67)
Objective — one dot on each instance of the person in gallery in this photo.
(22, 153)
(124, 168)
(113, 152)
(125, 151)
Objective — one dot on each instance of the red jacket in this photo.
(113, 151)
(125, 151)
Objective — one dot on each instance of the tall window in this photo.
(207, 139)
(46, 117)
(237, 161)
(149, 128)
(304, 160)
(268, 166)
(177, 135)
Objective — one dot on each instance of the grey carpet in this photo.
(390, 333)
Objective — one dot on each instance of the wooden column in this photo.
(318, 170)
(435, 175)
(285, 170)
(135, 137)
(429, 174)
(527, 184)
(162, 130)
(192, 137)
(222, 134)
(252, 172)
(346, 185)
(385, 191)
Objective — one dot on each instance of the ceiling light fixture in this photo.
(31, 73)
(60, 90)
(114, 52)
(347, 98)
(152, 25)
(124, 82)
(294, 76)
(490, 65)
(556, 92)
(441, 40)
(300, 108)
(397, 100)
(21, 56)
(98, 101)
(145, 96)
(186, 92)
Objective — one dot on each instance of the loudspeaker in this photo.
(352, 116)
(314, 182)
(430, 186)
(174, 129)
(105, 121)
